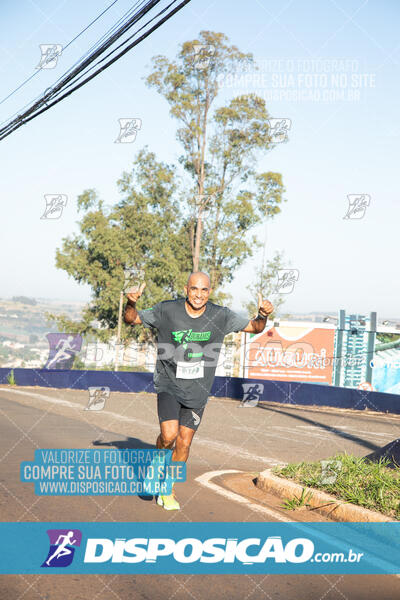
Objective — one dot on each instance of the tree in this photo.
(225, 196)
(142, 230)
(169, 225)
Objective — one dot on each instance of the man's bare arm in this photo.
(131, 316)
(257, 325)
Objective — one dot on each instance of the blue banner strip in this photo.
(212, 548)
(301, 393)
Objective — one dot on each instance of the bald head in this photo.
(198, 278)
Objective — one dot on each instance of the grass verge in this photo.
(351, 479)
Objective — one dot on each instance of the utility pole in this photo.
(117, 345)
(371, 345)
(339, 346)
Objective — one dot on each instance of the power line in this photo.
(111, 30)
(112, 52)
(49, 99)
(71, 73)
(63, 50)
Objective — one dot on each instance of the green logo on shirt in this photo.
(188, 335)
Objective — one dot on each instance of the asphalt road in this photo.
(229, 438)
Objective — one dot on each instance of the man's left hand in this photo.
(265, 307)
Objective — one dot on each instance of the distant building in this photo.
(354, 349)
(13, 345)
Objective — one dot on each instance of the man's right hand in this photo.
(134, 296)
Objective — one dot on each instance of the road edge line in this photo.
(205, 478)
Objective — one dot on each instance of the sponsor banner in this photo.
(111, 472)
(214, 548)
(291, 353)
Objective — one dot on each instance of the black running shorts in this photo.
(169, 407)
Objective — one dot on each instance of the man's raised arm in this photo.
(131, 316)
(257, 325)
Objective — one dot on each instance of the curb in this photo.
(321, 502)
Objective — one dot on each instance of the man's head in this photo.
(198, 289)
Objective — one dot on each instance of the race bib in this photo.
(190, 370)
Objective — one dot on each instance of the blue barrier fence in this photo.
(300, 393)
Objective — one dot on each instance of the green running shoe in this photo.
(168, 502)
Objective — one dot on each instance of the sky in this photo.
(329, 67)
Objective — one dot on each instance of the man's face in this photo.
(198, 290)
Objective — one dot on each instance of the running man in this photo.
(190, 334)
(62, 549)
(65, 349)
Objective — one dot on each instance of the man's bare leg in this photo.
(183, 443)
(173, 433)
(168, 434)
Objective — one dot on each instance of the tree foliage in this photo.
(172, 219)
(225, 196)
(143, 230)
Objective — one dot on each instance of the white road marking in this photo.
(205, 481)
(76, 405)
(199, 440)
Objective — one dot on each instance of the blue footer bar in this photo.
(214, 548)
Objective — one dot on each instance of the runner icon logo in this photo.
(61, 551)
(62, 350)
(251, 394)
